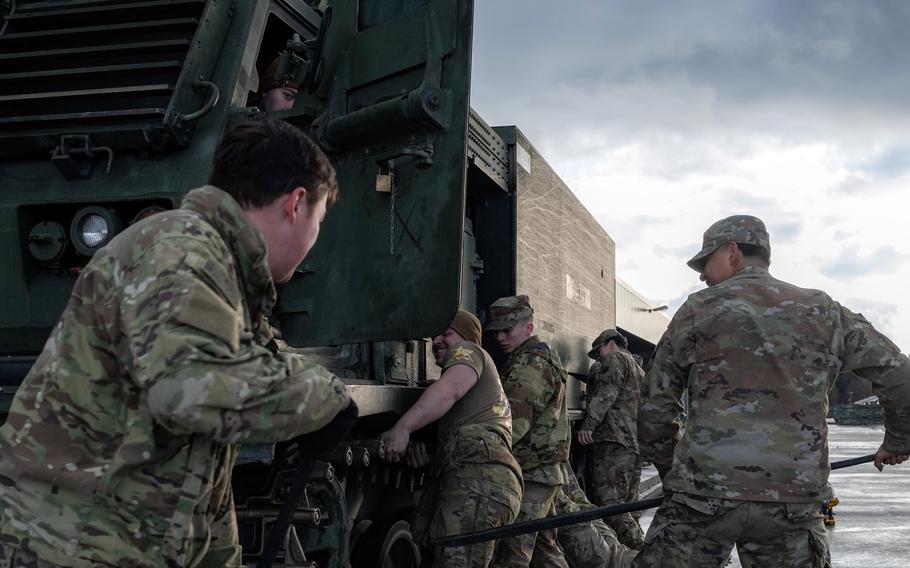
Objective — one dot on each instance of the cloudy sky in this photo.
(666, 116)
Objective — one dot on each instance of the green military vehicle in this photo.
(110, 111)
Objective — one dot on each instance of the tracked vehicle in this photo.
(110, 111)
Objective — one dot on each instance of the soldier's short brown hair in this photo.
(753, 251)
(259, 161)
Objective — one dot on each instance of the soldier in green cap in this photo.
(119, 444)
(609, 430)
(475, 480)
(535, 382)
(757, 357)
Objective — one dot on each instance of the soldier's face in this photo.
(510, 339)
(608, 347)
(720, 265)
(301, 233)
(442, 342)
(279, 98)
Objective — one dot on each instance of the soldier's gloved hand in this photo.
(323, 442)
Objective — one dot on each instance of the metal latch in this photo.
(76, 153)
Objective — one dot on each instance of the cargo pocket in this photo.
(819, 553)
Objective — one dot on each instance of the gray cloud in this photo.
(881, 314)
(784, 231)
(626, 231)
(740, 201)
(713, 72)
(686, 251)
(870, 168)
(850, 264)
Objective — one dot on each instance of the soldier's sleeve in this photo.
(465, 354)
(528, 392)
(205, 373)
(872, 356)
(609, 382)
(661, 403)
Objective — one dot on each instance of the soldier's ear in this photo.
(295, 203)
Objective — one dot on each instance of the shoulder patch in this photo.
(462, 354)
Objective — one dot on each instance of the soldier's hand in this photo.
(585, 437)
(322, 442)
(395, 442)
(884, 457)
(417, 455)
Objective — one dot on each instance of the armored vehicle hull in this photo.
(110, 111)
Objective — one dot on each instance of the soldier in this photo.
(119, 444)
(535, 383)
(609, 430)
(590, 544)
(757, 356)
(476, 482)
(276, 94)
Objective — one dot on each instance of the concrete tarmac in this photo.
(872, 527)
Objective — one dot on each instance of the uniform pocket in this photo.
(803, 512)
(705, 506)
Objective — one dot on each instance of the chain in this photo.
(392, 221)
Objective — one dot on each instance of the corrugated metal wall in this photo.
(632, 314)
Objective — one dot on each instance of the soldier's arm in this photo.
(528, 393)
(456, 380)
(205, 373)
(439, 397)
(872, 356)
(609, 382)
(661, 405)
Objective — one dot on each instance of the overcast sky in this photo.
(664, 117)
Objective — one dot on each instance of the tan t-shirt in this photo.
(485, 403)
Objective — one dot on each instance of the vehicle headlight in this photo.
(92, 228)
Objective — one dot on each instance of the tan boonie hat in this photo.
(269, 79)
(467, 325)
(602, 339)
(506, 312)
(741, 229)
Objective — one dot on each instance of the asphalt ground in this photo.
(872, 527)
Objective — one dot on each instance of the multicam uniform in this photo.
(613, 464)
(757, 356)
(535, 383)
(476, 481)
(119, 445)
(586, 545)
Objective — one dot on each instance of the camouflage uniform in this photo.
(119, 444)
(613, 464)
(475, 480)
(590, 544)
(757, 356)
(535, 383)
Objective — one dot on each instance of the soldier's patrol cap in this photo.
(467, 325)
(741, 229)
(506, 312)
(602, 339)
